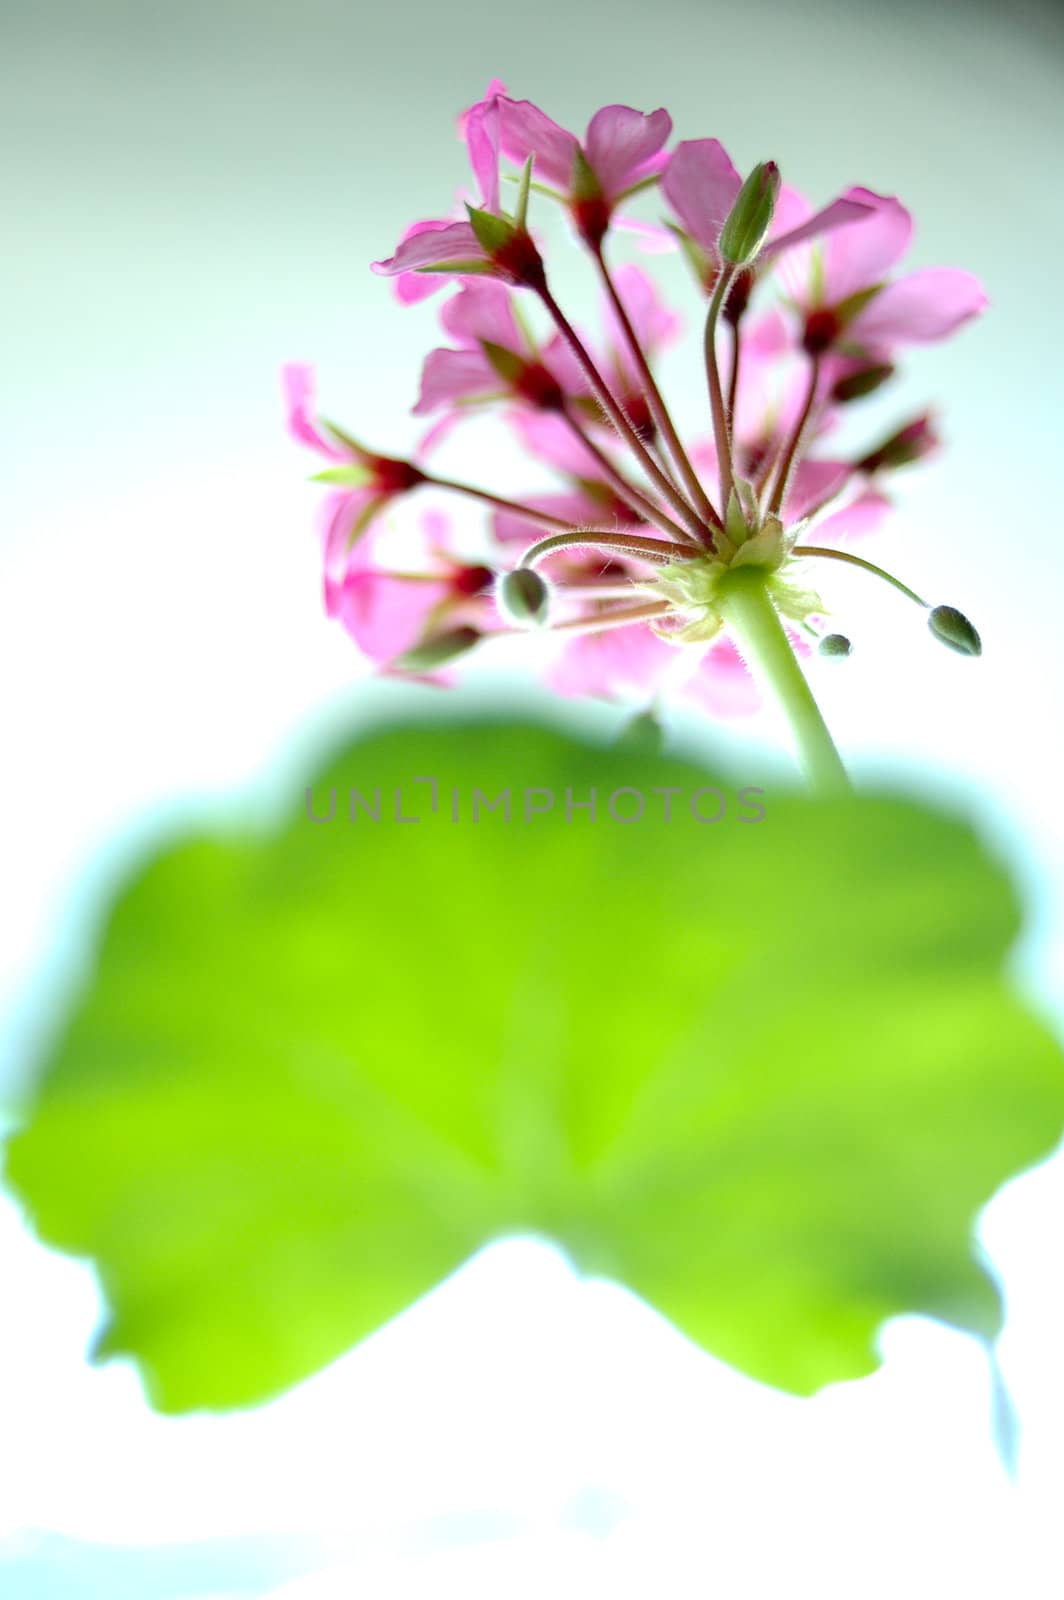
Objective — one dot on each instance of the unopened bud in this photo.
(437, 650)
(750, 217)
(523, 596)
(835, 644)
(866, 380)
(910, 443)
(954, 629)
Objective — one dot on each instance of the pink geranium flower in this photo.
(495, 358)
(487, 242)
(636, 564)
(621, 151)
(701, 185)
(366, 483)
(392, 612)
(844, 298)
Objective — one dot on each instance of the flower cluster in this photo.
(640, 566)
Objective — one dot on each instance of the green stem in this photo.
(753, 619)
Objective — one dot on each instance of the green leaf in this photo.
(764, 1072)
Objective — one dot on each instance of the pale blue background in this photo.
(192, 194)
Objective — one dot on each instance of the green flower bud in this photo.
(866, 380)
(437, 650)
(835, 644)
(749, 219)
(523, 596)
(954, 629)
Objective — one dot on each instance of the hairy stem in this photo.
(866, 566)
(545, 518)
(658, 409)
(721, 433)
(635, 499)
(614, 411)
(790, 456)
(629, 544)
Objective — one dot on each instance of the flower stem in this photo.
(755, 623)
(721, 434)
(659, 410)
(790, 457)
(630, 544)
(546, 519)
(866, 566)
(615, 412)
(644, 508)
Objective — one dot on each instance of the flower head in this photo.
(636, 576)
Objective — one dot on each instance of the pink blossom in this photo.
(621, 150)
(439, 247)
(389, 611)
(495, 357)
(845, 299)
(349, 512)
(639, 537)
(701, 185)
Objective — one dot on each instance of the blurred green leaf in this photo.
(764, 1073)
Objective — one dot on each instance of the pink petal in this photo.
(339, 513)
(483, 311)
(432, 244)
(814, 482)
(655, 324)
(701, 185)
(297, 381)
(547, 436)
(482, 141)
(433, 437)
(449, 375)
(622, 146)
(510, 527)
(654, 239)
(923, 306)
(861, 517)
(837, 215)
(722, 685)
(495, 87)
(525, 130)
(564, 368)
(857, 257)
(619, 663)
(385, 615)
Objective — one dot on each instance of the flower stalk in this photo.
(750, 614)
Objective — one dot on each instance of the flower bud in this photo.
(437, 650)
(523, 597)
(835, 644)
(750, 217)
(911, 443)
(866, 380)
(954, 629)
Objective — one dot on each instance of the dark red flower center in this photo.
(822, 328)
(394, 477)
(472, 580)
(519, 259)
(536, 385)
(592, 218)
